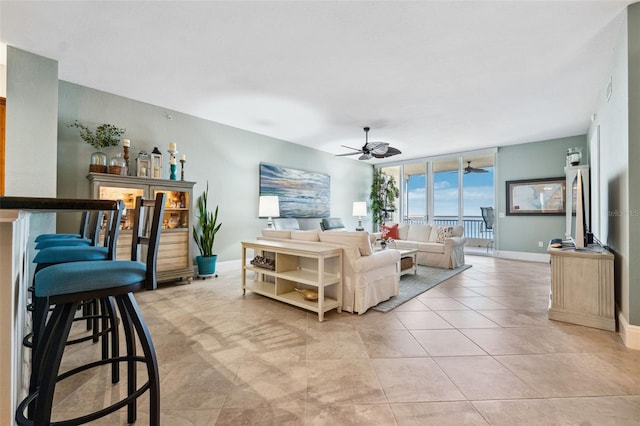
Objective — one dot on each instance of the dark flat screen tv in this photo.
(579, 228)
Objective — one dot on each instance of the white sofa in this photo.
(439, 246)
(368, 277)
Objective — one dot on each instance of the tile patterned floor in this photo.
(476, 350)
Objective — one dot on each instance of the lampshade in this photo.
(269, 206)
(359, 208)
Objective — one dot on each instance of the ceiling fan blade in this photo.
(355, 149)
(474, 170)
(366, 156)
(390, 152)
(470, 169)
(377, 147)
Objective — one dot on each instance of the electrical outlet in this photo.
(540, 244)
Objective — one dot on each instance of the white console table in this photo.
(582, 287)
(297, 265)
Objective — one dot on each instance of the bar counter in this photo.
(44, 204)
(21, 220)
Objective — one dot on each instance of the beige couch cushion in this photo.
(359, 239)
(274, 233)
(430, 247)
(311, 235)
(458, 231)
(406, 245)
(403, 231)
(419, 232)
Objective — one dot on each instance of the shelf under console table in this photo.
(296, 266)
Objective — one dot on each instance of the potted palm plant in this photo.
(204, 233)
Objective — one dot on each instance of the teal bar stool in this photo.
(84, 227)
(95, 311)
(66, 285)
(90, 233)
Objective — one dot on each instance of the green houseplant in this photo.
(106, 135)
(383, 196)
(204, 234)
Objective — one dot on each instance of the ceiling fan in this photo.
(470, 169)
(372, 149)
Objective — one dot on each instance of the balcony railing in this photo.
(474, 226)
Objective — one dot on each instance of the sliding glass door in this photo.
(448, 190)
(414, 187)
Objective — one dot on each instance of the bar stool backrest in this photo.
(114, 217)
(147, 218)
(84, 224)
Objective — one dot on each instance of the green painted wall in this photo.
(618, 128)
(634, 158)
(535, 160)
(32, 110)
(226, 157)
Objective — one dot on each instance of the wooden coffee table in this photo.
(408, 257)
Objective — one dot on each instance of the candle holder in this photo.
(182, 168)
(126, 159)
(172, 164)
(156, 164)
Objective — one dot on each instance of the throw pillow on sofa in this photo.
(444, 233)
(390, 231)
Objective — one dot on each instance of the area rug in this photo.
(412, 285)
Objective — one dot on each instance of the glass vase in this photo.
(98, 162)
(118, 165)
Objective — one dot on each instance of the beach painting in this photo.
(301, 193)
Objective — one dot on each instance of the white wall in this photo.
(3, 70)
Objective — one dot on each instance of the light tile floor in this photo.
(478, 349)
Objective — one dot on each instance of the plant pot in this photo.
(206, 265)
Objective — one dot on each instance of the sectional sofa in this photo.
(439, 246)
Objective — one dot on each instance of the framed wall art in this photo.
(536, 196)
(302, 194)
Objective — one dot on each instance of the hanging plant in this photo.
(383, 196)
(106, 135)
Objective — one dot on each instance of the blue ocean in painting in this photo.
(301, 193)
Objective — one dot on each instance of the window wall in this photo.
(446, 190)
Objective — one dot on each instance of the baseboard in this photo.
(522, 255)
(630, 334)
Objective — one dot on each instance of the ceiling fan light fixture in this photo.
(372, 149)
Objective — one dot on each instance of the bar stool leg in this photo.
(110, 309)
(56, 333)
(128, 302)
(131, 364)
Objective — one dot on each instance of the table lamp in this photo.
(359, 210)
(269, 206)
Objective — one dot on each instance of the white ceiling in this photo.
(430, 77)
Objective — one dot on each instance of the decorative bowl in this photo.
(308, 294)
